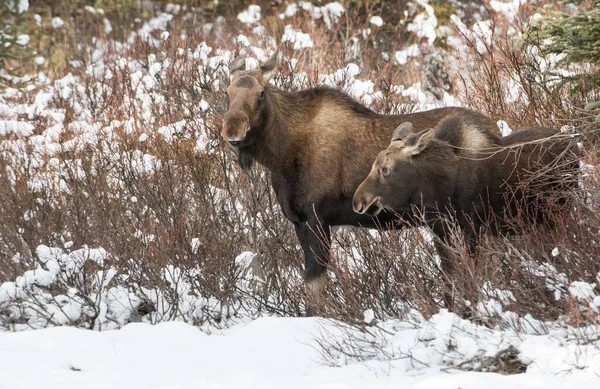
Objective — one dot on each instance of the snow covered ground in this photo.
(266, 353)
(251, 350)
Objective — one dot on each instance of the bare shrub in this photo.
(139, 169)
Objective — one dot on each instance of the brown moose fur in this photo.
(438, 175)
(318, 145)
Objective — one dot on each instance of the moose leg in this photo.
(441, 229)
(315, 241)
(453, 266)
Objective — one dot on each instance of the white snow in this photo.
(376, 20)
(582, 290)
(307, 6)
(402, 56)
(22, 39)
(506, 130)
(108, 27)
(261, 32)
(290, 11)
(424, 24)
(482, 33)
(331, 13)
(145, 163)
(18, 6)
(537, 18)
(298, 38)
(57, 22)
(283, 352)
(15, 127)
(250, 15)
(346, 78)
(245, 259)
(242, 40)
(204, 106)
(159, 22)
(195, 245)
(510, 8)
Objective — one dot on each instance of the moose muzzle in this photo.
(235, 127)
(366, 204)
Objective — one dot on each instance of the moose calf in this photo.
(455, 172)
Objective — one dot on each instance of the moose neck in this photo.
(282, 114)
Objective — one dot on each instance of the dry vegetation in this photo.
(116, 180)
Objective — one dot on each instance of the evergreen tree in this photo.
(577, 36)
(12, 42)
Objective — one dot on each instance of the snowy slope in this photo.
(265, 353)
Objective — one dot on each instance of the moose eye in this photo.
(261, 95)
(385, 171)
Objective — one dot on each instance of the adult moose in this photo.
(318, 145)
(440, 175)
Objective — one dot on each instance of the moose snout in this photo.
(235, 127)
(358, 206)
(366, 204)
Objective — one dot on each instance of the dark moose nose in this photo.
(235, 143)
(359, 207)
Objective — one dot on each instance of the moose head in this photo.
(248, 93)
(412, 170)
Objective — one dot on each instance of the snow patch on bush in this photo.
(376, 20)
(425, 23)
(59, 291)
(57, 22)
(16, 127)
(298, 38)
(401, 56)
(504, 128)
(250, 15)
(18, 6)
(331, 13)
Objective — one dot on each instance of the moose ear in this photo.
(272, 66)
(425, 138)
(402, 131)
(237, 65)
